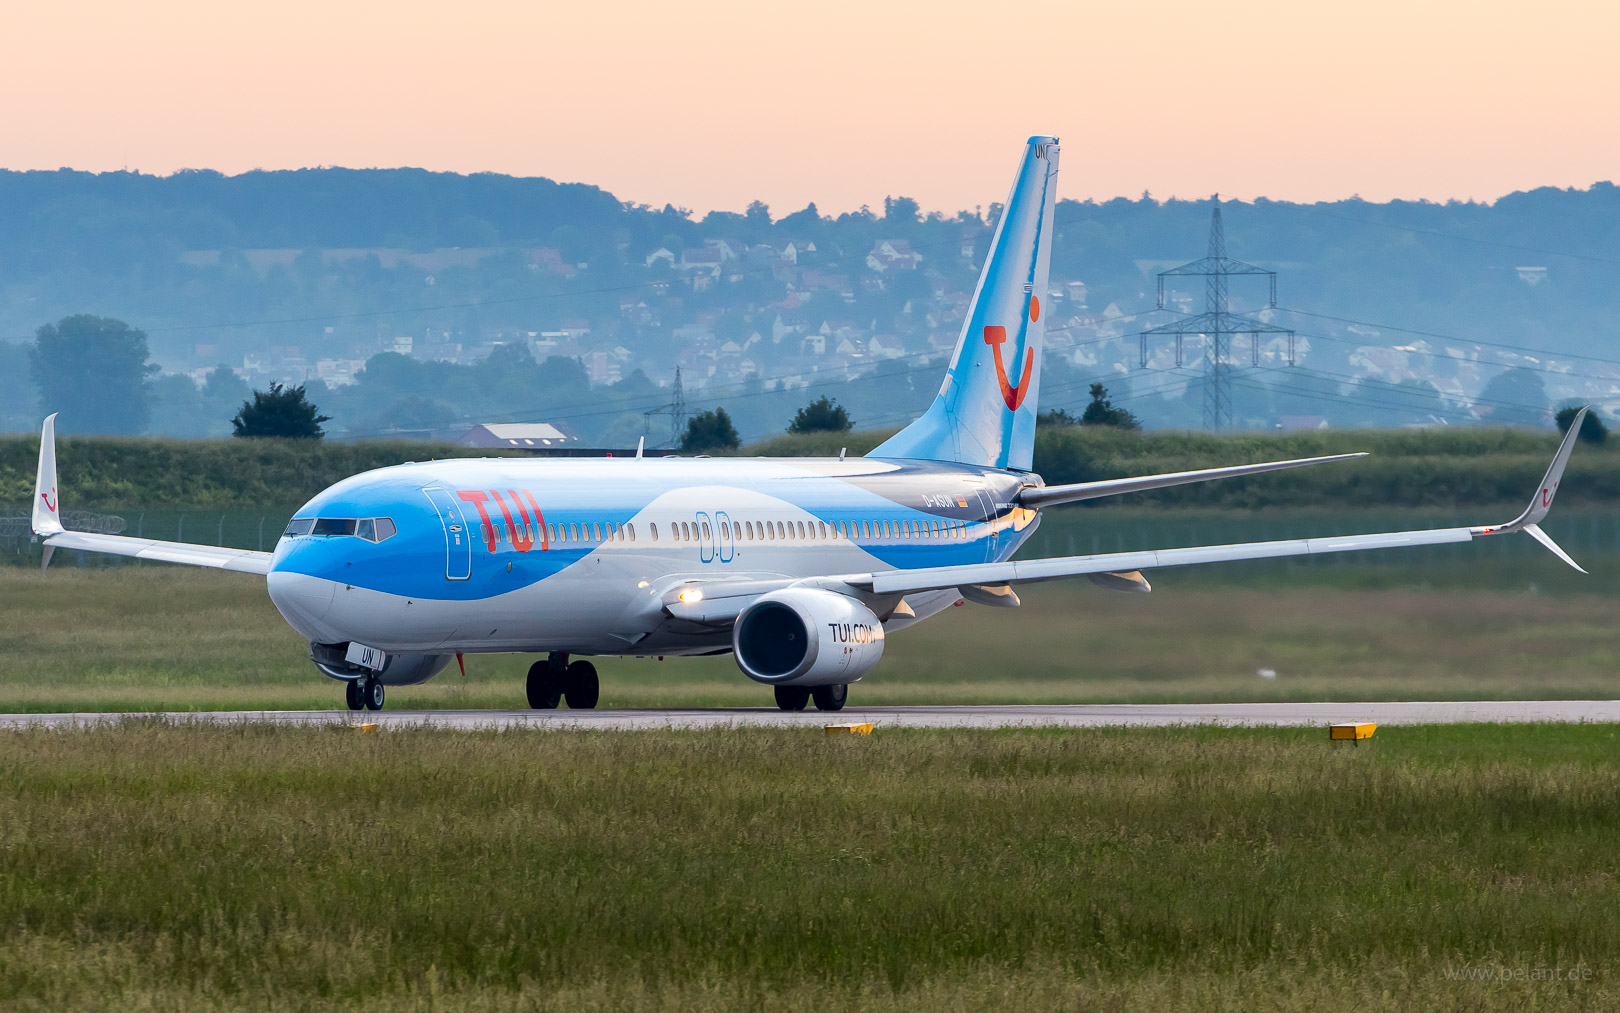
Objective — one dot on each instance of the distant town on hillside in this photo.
(421, 303)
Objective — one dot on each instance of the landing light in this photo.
(691, 596)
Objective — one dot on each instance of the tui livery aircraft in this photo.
(798, 567)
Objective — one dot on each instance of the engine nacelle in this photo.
(806, 637)
(398, 670)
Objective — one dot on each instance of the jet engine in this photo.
(398, 670)
(806, 637)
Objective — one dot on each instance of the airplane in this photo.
(800, 568)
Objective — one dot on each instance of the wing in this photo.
(241, 560)
(47, 522)
(723, 603)
(1025, 571)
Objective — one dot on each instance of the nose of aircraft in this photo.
(302, 600)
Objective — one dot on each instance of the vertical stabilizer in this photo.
(47, 507)
(985, 411)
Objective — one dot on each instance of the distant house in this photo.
(544, 258)
(518, 436)
(893, 255)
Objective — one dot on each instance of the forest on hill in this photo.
(371, 285)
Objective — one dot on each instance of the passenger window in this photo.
(823, 529)
(299, 526)
(706, 534)
(770, 532)
(573, 533)
(630, 529)
(652, 529)
(596, 529)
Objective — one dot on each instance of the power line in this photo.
(1448, 337)
(1309, 210)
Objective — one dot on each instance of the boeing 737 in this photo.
(798, 567)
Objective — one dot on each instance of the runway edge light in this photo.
(1353, 733)
(852, 728)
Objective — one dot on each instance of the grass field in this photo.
(166, 638)
(1437, 868)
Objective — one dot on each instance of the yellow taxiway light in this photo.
(1353, 733)
(850, 729)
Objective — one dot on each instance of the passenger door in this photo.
(726, 535)
(457, 537)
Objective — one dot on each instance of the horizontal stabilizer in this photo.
(1051, 495)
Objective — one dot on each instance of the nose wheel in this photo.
(363, 694)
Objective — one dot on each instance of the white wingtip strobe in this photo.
(1530, 520)
(47, 518)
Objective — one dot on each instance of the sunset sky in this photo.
(713, 103)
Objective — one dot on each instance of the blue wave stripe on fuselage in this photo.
(413, 563)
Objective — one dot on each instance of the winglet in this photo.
(47, 505)
(1530, 520)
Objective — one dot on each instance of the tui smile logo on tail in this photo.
(995, 337)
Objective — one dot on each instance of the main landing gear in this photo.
(554, 680)
(363, 694)
(828, 698)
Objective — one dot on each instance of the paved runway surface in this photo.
(1031, 715)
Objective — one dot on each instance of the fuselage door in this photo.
(992, 543)
(705, 534)
(457, 536)
(725, 534)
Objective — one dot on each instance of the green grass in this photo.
(167, 638)
(156, 866)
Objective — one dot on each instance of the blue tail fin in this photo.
(985, 411)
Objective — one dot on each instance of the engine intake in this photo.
(806, 637)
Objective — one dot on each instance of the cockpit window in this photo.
(372, 529)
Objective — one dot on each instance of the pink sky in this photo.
(712, 103)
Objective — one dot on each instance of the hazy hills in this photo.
(293, 268)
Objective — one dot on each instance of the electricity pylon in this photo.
(1217, 324)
